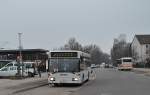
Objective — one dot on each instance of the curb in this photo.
(145, 72)
(30, 87)
(138, 71)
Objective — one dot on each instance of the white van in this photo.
(93, 66)
(11, 69)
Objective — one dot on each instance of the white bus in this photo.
(125, 63)
(71, 67)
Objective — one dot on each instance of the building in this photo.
(141, 49)
(30, 55)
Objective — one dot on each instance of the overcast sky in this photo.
(50, 23)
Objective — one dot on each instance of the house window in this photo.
(146, 46)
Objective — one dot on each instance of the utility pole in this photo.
(20, 55)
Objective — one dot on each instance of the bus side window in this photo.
(82, 64)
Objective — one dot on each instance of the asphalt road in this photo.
(107, 82)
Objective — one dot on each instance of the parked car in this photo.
(93, 66)
(4, 62)
(106, 65)
(111, 66)
(11, 69)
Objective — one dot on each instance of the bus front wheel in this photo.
(88, 76)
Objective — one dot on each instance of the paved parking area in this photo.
(8, 86)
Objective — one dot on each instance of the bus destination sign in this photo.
(63, 54)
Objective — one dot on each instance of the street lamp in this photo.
(20, 54)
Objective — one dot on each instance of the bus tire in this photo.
(56, 84)
(79, 84)
(88, 76)
(82, 78)
(30, 74)
(50, 85)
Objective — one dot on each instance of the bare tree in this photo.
(72, 45)
(97, 56)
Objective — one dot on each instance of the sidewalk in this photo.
(145, 71)
(8, 86)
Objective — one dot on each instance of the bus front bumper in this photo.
(125, 68)
(53, 80)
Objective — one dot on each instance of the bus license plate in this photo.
(62, 81)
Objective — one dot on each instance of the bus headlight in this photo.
(75, 79)
(52, 79)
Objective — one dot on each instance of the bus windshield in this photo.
(64, 65)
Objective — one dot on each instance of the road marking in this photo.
(66, 93)
(106, 94)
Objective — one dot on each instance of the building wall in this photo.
(136, 51)
(143, 47)
(139, 52)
